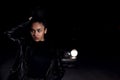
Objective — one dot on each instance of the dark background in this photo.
(93, 28)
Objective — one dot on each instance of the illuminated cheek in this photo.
(41, 35)
(32, 34)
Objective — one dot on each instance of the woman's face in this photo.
(38, 31)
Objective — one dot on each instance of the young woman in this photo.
(36, 59)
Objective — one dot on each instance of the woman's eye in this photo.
(39, 30)
(32, 31)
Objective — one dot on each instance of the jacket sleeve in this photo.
(17, 33)
(56, 70)
(59, 71)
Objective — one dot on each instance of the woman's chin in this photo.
(36, 40)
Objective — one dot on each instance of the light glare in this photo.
(74, 53)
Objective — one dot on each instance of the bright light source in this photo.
(74, 53)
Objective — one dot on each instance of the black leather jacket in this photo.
(22, 69)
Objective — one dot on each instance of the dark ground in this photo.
(92, 73)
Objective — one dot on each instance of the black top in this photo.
(39, 59)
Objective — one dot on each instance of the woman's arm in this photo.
(17, 33)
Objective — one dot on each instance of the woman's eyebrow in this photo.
(39, 29)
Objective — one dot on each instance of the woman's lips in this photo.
(36, 38)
